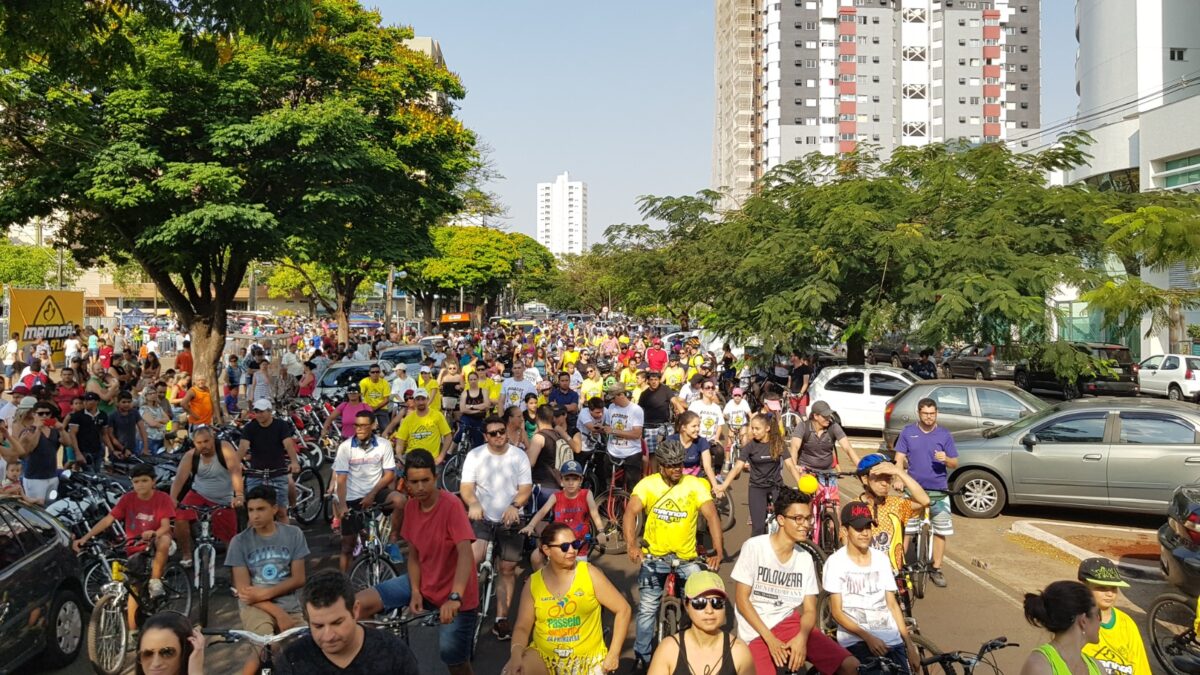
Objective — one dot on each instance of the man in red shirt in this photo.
(441, 566)
(656, 356)
(183, 360)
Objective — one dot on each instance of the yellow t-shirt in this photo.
(566, 632)
(637, 393)
(674, 377)
(435, 392)
(694, 365)
(570, 356)
(423, 433)
(375, 394)
(672, 513)
(493, 390)
(1120, 650)
(629, 378)
(590, 388)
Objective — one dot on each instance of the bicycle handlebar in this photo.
(235, 635)
(968, 658)
(399, 621)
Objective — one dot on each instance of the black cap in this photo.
(858, 515)
(91, 396)
(1101, 572)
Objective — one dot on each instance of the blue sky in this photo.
(619, 93)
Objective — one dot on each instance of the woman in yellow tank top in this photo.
(561, 607)
(1069, 611)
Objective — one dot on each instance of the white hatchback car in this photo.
(859, 394)
(1176, 376)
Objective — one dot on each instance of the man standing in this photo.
(656, 402)
(927, 452)
(497, 482)
(216, 480)
(401, 383)
(422, 429)
(516, 388)
(565, 398)
(127, 427)
(291, 363)
(656, 356)
(375, 392)
(623, 422)
(365, 470)
(272, 450)
(183, 360)
(91, 429)
(12, 350)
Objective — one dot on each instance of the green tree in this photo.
(27, 266)
(582, 283)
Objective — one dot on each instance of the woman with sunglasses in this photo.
(169, 645)
(37, 436)
(563, 600)
(704, 647)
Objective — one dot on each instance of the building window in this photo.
(914, 129)
(1189, 171)
(862, 20)
(914, 15)
(1178, 54)
(875, 40)
(845, 38)
(862, 59)
(846, 18)
(874, 59)
(914, 53)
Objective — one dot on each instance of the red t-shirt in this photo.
(656, 358)
(106, 356)
(434, 536)
(141, 515)
(575, 513)
(183, 362)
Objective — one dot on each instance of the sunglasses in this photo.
(163, 653)
(567, 545)
(42, 414)
(708, 388)
(678, 465)
(699, 604)
(372, 372)
(493, 434)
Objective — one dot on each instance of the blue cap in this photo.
(571, 468)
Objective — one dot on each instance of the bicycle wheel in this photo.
(310, 496)
(369, 571)
(920, 573)
(829, 531)
(94, 577)
(485, 604)
(450, 477)
(177, 587)
(611, 504)
(818, 556)
(1172, 637)
(726, 512)
(202, 591)
(790, 421)
(926, 649)
(825, 622)
(670, 616)
(107, 635)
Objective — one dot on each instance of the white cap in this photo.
(262, 404)
(425, 369)
(421, 393)
(401, 366)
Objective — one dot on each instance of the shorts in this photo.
(939, 515)
(454, 638)
(224, 522)
(256, 620)
(39, 489)
(280, 483)
(824, 652)
(510, 542)
(353, 521)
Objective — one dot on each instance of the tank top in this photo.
(543, 471)
(307, 390)
(202, 407)
(477, 399)
(574, 512)
(566, 631)
(42, 463)
(727, 668)
(1059, 667)
(450, 389)
(212, 481)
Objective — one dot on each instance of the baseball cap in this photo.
(822, 408)
(857, 515)
(262, 405)
(773, 404)
(91, 396)
(27, 403)
(401, 366)
(421, 393)
(571, 468)
(1102, 572)
(737, 391)
(425, 369)
(615, 388)
(704, 583)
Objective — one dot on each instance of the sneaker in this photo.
(502, 630)
(639, 665)
(935, 575)
(393, 551)
(156, 588)
(186, 563)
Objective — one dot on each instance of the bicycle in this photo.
(1172, 623)
(670, 605)
(486, 574)
(265, 644)
(108, 633)
(373, 566)
(399, 625)
(969, 660)
(925, 647)
(923, 544)
(611, 504)
(204, 559)
(450, 475)
(310, 492)
(826, 527)
(876, 665)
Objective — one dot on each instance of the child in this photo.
(737, 411)
(11, 485)
(1120, 649)
(572, 505)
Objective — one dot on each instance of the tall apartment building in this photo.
(562, 215)
(829, 75)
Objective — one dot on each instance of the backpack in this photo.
(563, 452)
(187, 486)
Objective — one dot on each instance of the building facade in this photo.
(562, 215)
(831, 75)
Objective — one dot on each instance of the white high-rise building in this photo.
(562, 215)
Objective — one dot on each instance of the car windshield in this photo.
(1025, 422)
(344, 376)
(1027, 398)
(405, 356)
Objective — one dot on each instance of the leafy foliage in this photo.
(26, 266)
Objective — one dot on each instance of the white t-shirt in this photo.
(737, 415)
(711, 418)
(513, 392)
(776, 588)
(864, 594)
(532, 375)
(71, 347)
(401, 385)
(152, 347)
(11, 349)
(363, 465)
(496, 477)
(622, 419)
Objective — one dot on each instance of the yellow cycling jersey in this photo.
(375, 394)
(672, 513)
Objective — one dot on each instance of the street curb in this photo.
(1134, 570)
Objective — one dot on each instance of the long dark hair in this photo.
(177, 624)
(1059, 605)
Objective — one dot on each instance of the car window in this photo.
(344, 376)
(405, 356)
(850, 383)
(1119, 354)
(11, 550)
(886, 385)
(1193, 364)
(1155, 429)
(1087, 428)
(37, 523)
(998, 405)
(1152, 362)
(1170, 363)
(952, 400)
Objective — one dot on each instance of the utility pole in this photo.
(460, 299)
(387, 305)
(60, 269)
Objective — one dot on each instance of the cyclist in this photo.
(336, 643)
(496, 485)
(473, 405)
(271, 447)
(1120, 650)
(674, 375)
(799, 379)
(775, 588)
(672, 503)
(365, 471)
(548, 449)
(561, 606)
(814, 445)
(422, 429)
(345, 412)
(697, 451)
(862, 595)
(623, 421)
(375, 393)
(439, 537)
(591, 426)
(592, 385)
(763, 454)
(736, 411)
(1068, 610)
(889, 512)
(656, 403)
(703, 647)
(712, 419)
(516, 388)
(207, 477)
(575, 506)
(927, 452)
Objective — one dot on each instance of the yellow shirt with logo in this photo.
(674, 377)
(1120, 650)
(429, 383)
(423, 433)
(493, 389)
(629, 378)
(590, 388)
(694, 365)
(375, 394)
(672, 513)
(567, 633)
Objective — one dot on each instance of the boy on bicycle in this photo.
(573, 505)
(890, 512)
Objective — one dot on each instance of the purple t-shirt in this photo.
(919, 447)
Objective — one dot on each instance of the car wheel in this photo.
(64, 630)
(980, 494)
(1021, 379)
(978, 375)
(1174, 393)
(1070, 391)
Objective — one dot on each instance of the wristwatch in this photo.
(455, 597)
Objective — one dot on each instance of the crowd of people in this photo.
(532, 409)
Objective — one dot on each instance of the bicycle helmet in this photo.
(869, 462)
(669, 451)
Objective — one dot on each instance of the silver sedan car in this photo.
(962, 405)
(1112, 454)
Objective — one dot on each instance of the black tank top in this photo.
(682, 667)
(473, 400)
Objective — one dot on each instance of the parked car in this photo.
(41, 616)
(1106, 453)
(859, 394)
(1179, 540)
(1032, 375)
(962, 405)
(409, 355)
(983, 362)
(1176, 376)
(337, 376)
(894, 349)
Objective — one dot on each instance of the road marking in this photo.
(985, 583)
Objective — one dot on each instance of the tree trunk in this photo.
(342, 316)
(427, 310)
(684, 321)
(208, 344)
(856, 350)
